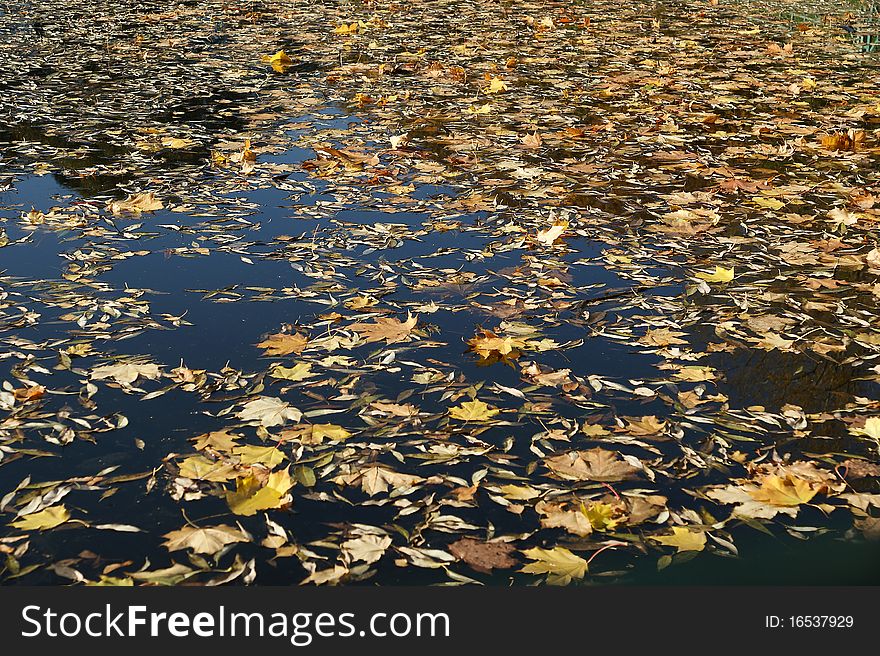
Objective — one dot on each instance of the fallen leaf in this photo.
(208, 540)
(594, 465)
(474, 410)
(269, 411)
(683, 539)
(43, 520)
(484, 556)
(560, 564)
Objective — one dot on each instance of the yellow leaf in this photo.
(216, 440)
(43, 520)
(177, 143)
(683, 539)
(346, 28)
(553, 233)
(784, 491)
(280, 61)
(264, 455)
(474, 410)
(315, 433)
(489, 344)
(201, 468)
(299, 371)
(720, 275)
(871, 428)
(136, 204)
(282, 344)
(496, 85)
(602, 516)
(769, 203)
(482, 109)
(560, 564)
(519, 492)
(250, 496)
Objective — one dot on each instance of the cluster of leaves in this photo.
(523, 315)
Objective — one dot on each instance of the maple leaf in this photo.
(200, 468)
(594, 430)
(648, 425)
(43, 520)
(386, 328)
(375, 480)
(774, 341)
(784, 491)
(662, 337)
(594, 465)
(474, 410)
(603, 516)
(315, 433)
(746, 505)
(483, 556)
(263, 455)
(136, 204)
(216, 440)
(490, 345)
(250, 496)
(532, 140)
(269, 411)
(346, 28)
(280, 62)
(367, 549)
(552, 233)
(126, 373)
(683, 539)
(208, 540)
(556, 516)
(284, 344)
(719, 275)
(496, 85)
(560, 564)
(695, 374)
(299, 371)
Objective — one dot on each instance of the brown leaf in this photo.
(387, 328)
(594, 465)
(483, 556)
(283, 344)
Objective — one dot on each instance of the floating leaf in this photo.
(42, 520)
(269, 411)
(474, 410)
(208, 540)
(560, 564)
(280, 62)
(251, 496)
(388, 329)
(284, 344)
(719, 275)
(683, 539)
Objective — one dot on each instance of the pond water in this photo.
(420, 310)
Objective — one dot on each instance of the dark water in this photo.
(209, 309)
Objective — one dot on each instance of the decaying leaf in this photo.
(484, 556)
(593, 465)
